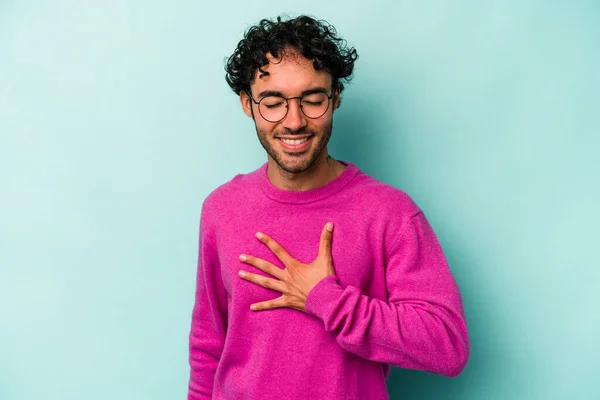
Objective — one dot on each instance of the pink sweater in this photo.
(393, 300)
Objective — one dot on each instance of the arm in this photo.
(209, 319)
(421, 326)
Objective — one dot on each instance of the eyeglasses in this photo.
(275, 108)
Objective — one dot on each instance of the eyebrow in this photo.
(316, 89)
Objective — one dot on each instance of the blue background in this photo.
(116, 122)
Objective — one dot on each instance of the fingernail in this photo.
(259, 235)
(253, 307)
(242, 274)
(243, 257)
(330, 226)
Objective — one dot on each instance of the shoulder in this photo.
(228, 194)
(387, 199)
(388, 208)
(391, 209)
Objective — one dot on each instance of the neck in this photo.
(324, 170)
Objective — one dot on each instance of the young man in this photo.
(313, 277)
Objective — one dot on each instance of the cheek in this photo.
(322, 124)
(265, 128)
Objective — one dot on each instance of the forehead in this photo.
(289, 74)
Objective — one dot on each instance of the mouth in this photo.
(296, 144)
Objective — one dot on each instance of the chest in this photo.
(357, 254)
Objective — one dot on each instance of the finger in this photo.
(264, 281)
(263, 266)
(325, 243)
(270, 304)
(276, 248)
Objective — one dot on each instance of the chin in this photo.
(293, 167)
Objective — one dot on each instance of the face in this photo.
(292, 76)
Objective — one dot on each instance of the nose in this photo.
(295, 118)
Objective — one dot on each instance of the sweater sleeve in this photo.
(209, 319)
(420, 326)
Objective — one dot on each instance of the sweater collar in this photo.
(306, 196)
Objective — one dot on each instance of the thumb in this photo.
(325, 244)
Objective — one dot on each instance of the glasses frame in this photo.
(287, 103)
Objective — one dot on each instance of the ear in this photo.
(246, 103)
(336, 99)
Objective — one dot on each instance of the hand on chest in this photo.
(356, 260)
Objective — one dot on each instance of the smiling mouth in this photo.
(295, 144)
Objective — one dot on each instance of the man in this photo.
(313, 278)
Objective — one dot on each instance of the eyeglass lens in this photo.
(275, 108)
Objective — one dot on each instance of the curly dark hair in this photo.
(315, 39)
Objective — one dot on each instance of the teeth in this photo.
(294, 142)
